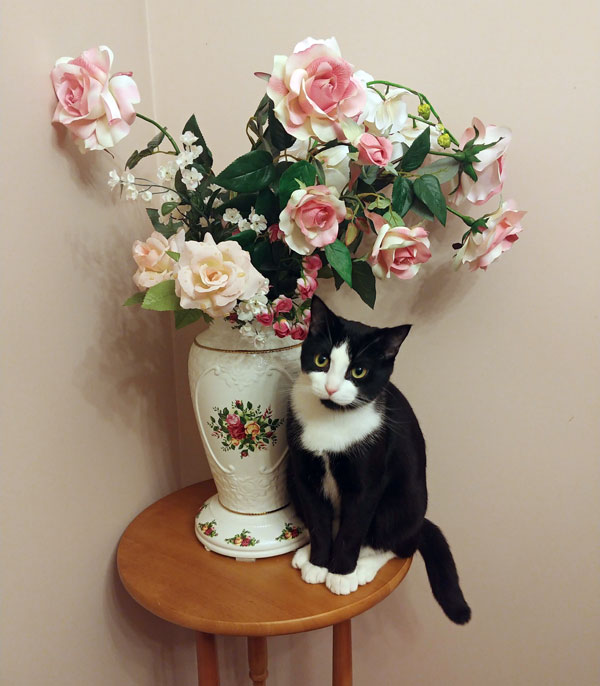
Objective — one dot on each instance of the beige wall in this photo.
(501, 368)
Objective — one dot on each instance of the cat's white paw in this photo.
(342, 584)
(311, 573)
(301, 557)
(370, 562)
(366, 570)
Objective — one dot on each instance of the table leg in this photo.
(342, 654)
(257, 660)
(208, 666)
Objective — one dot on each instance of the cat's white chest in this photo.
(332, 431)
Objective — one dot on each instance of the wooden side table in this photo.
(166, 570)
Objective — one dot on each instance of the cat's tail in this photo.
(442, 573)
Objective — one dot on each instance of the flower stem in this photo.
(160, 128)
(422, 99)
(469, 221)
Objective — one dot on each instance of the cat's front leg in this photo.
(343, 578)
(313, 558)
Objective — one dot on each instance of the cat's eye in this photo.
(359, 372)
(321, 360)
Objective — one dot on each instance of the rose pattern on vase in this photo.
(244, 427)
(208, 528)
(242, 539)
(290, 531)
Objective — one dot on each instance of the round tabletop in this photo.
(169, 572)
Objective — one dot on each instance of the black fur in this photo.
(383, 492)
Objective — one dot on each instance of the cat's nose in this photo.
(330, 391)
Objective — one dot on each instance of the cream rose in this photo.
(503, 228)
(95, 107)
(311, 218)
(154, 265)
(312, 88)
(213, 277)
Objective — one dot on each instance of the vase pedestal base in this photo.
(248, 536)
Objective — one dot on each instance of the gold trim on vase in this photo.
(250, 514)
(248, 352)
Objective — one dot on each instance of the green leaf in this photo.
(422, 210)
(339, 258)
(153, 215)
(393, 218)
(168, 207)
(245, 238)
(417, 152)
(363, 282)
(369, 173)
(276, 134)
(249, 173)
(427, 189)
(167, 230)
(161, 297)
(470, 171)
(136, 157)
(443, 169)
(402, 195)
(267, 205)
(185, 317)
(300, 173)
(206, 157)
(136, 299)
(318, 165)
(173, 255)
(380, 203)
(262, 256)
(156, 141)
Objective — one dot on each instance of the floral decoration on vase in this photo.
(208, 528)
(244, 427)
(242, 539)
(290, 531)
(346, 177)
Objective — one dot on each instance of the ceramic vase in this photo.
(240, 395)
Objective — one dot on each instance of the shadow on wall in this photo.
(144, 643)
(126, 371)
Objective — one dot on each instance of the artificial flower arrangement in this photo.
(344, 172)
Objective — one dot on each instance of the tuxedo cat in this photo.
(356, 473)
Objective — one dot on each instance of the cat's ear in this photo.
(392, 339)
(320, 316)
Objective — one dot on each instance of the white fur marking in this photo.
(329, 486)
(325, 430)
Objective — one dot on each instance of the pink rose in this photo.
(399, 250)
(282, 328)
(265, 318)
(306, 317)
(235, 426)
(213, 277)
(312, 88)
(490, 168)
(311, 218)
(245, 542)
(282, 304)
(306, 286)
(503, 228)
(275, 233)
(374, 150)
(311, 264)
(95, 107)
(299, 331)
